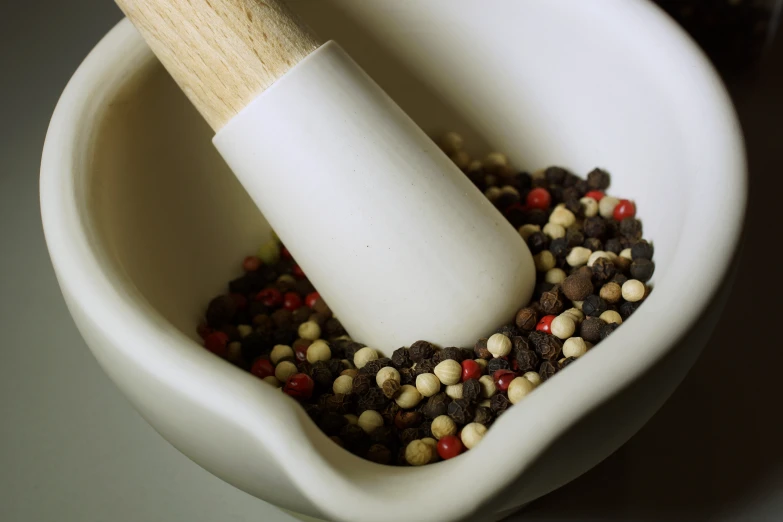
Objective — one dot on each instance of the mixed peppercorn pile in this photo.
(426, 402)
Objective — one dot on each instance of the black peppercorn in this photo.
(620, 279)
(631, 228)
(613, 245)
(499, 403)
(598, 179)
(471, 390)
(497, 364)
(559, 247)
(300, 315)
(408, 419)
(642, 269)
(483, 416)
(527, 360)
(526, 319)
(331, 423)
(425, 366)
(401, 358)
(574, 237)
(421, 350)
(461, 411)
(562, 363)
(546, 370)
(407, 376)
(283, 336)
(379, 454)
(322, 375)
(642, 250)
(361, 384)
(436, 405)
(537, 242)
(256, 344)
(451, 353)
(340, 403)
(333, 328)
(282, 318)
(551, 302)
(607, 329)
(389, 412)
(385, 435)
(603, 270)
(546, 346)
(593, 243)
(573, 204)
(509, 330)
(627, 308)
(373, 399)
(537, 217)
(314, 411)
(590, 329)
(425, 429)
(249, 284)
(480, 349)
(408, 436)
(593, 305)
(373, 367)
(555, 175)
(318, 318)
(595, 227)
(304, 287)
(221, 310)
(576, 287)
(352, 434)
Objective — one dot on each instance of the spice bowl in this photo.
(144, 224)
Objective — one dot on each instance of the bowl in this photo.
(145, 223)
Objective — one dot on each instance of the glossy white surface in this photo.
(354, 189)
(122, 148)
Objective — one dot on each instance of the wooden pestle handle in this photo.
(222, 53)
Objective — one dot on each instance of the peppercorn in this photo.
(379, 454)
(421, 350)
(546, 346)
(390, 388)
(574, 237)
(593, 305)
(627, 308)
(409, 435)
(620, 279)
(611, 293)
(590, 329)
(578, 256)
(631, 228)
(594, 227)
(607, 329)
(499, 403)
(526, 360)
(408, 419)
(642, 250)
(461, 411)
(385, 435)
(332, 423)
(407, 376)
(593, 243)
(471, 390)
(563, 326)
(642, 269)
(256, 344)
(436, 405)
(372, 399)
(603, 270)
(424, 366)
(361, 384)
(577, 287)
(562, 363)
(401, 358)
(537, 242)
(220, 310)
(551, 302)
(613, 245)
(321, 375)
(364, 356)
(546, 370)
(374, 366)
(497, 364)
(598, 179)
(451, 353)
(340, 403)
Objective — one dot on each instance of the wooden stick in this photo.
(222, 53)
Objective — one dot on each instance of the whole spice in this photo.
(546, 370)
(563, 326)
(343, 384)
(443, 426)
(576, 287)
(373, 399)
(642, 269)
(401, 358)
(449, 447)
(594, 306)
(471, 390)
(472, 434)
(526, 319)
(408, 419)
(551, 302)
(590, 329)
(421, 350)
(418, 453)
(574, 347)
(450, 371)
(611, 293)
(361, 384)
(428, 384)
(379, 454)
(364, 356)
(318, 351)
(385, 374)
(488, 387)
(518, 389)
(461, 411)
(610, 316)
(499, 403)
(436, 405)
(391, 388)
(499, 345)
(533, 377)
(408, 397)
(642, 250)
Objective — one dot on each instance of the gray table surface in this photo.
(73, 449)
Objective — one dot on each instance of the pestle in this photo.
(397, 240)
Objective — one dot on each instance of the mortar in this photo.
(145, 223)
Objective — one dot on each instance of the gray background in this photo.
(72, 448)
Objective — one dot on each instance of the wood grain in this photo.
(222, 53)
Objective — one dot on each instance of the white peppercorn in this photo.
(448, 371)
(563, 326)
(461, 159)
(351, 418)
(555, 276)
(271, 379)
(606, 206)
(408, 397)
(454, 391)
(578, 256)
(486, 403)
(533, 377)
(318, 351)
(475, 166)
(442, 426)
(495, 160)
(284, 370)
(493, 193)
(499, 345)
(610, 316)
(595, 256)
(432, 443)
(363, 356)
(418, 453)
(343, 384)
(626, 254)
(578, 305)
(451, 142)
(309, 330)
(544, 260)
(576, 314)
(574, 347)
(428, 384)
(554, 230)
(280, 351)
(482, 363)
(244, 330)
(370, 420)
(386, 373)
(562, 216)
(528, 230)
(633, 290)
(488, 387)
(472, 434)
(589, 206)
(518, 389)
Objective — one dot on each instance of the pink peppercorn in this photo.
(262, 368)
(251, 264)
(539, 198)
(299, 386)
(298, 272)
(449, 447)
(624, 209)
(470, 370)
(291, 301)
(239, 300)
(285, 254)
(312, 298)
(503, 378)
(595, 194)
(545, 324)
(217, 343)
(270, 297)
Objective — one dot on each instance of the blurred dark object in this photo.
(733, 33)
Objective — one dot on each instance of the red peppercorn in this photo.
(539, 198)
(545, 324)
(312, 298)
(470, 369)
(298, 272)
(239, 300)
(503, 378)
(514, 365)
(262, 368)
(270, 297)
(512, 208)
(251, 263)
(300, 350)
(624, 209)
(449, 447)
(285, 254)
(217, 343)
(291, 301)
(203, 330)
(595, 194)
(299, 386)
